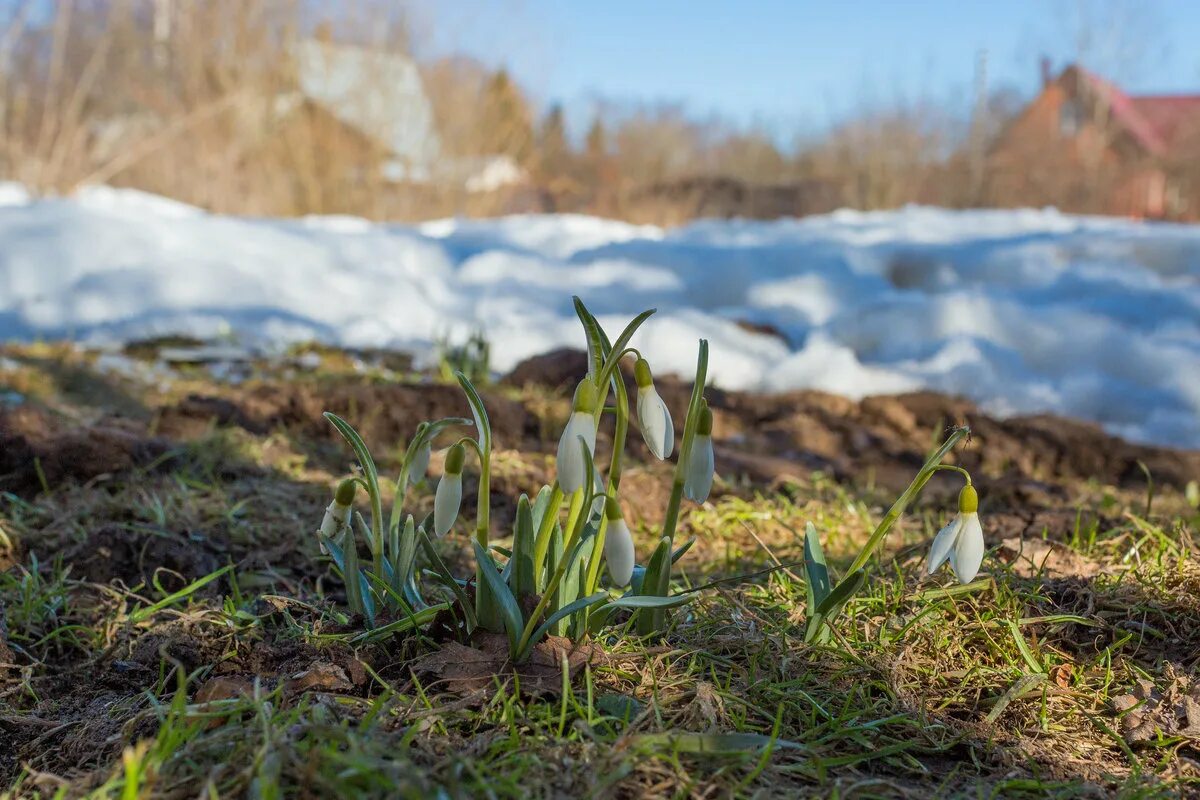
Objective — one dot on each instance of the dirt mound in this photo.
(770, 437)
(385, 415)
(890, 436)
(33, 439)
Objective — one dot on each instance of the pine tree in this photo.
(597, 141)
(505, 124)
(554, 154)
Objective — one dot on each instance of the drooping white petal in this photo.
(697, 480)
(654, 418)
(618, 552)
(943, 544)
(336, 515)
(419, 465)
(446, 503)
(968, 549)
(334, 523)
(570, 464)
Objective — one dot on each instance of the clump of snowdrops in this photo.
(567, 530)
(550, 581)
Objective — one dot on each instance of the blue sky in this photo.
(803, 64)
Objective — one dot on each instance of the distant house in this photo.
(1086, 145)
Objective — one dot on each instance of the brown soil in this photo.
(762, 439)
(33, 439)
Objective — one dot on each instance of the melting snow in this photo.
(1023, 311)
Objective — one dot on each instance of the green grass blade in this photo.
(714, 743)
(408, 623)
(816, 569)
(647, 601)
(1023, 647)
(141, 614)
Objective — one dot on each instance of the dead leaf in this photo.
(322, 676)
(1061, 675)
(224, 687)
(465, 669)
(1169, 709)
(1030, 557)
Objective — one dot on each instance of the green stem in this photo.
(664, 577)
(576, 530)
(655, 619)
(401, 494)
(542, 543)
(620, 434)
(485, 604)
(952, 468)
(918, 483)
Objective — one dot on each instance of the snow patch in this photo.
(1023, 311)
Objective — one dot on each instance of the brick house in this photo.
(1085, 145)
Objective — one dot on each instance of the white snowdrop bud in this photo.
(337, 513)
(448, 498)
(618, 545)
(698, 477)
(654, 418)
(570, 463)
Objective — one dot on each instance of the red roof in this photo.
(1170, 115)
(1153, 121)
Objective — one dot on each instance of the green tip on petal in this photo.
(346, 490)
(586, 396)
(968, 500)
(455, 457)
(705, 423)
(612, 509)
(641, 373)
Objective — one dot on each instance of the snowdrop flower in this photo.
(654, 418)
(420, 464)
(448, 499)
(337, 514)
(698, 476)
(570, 464)
(618, 545)
(960, 542)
